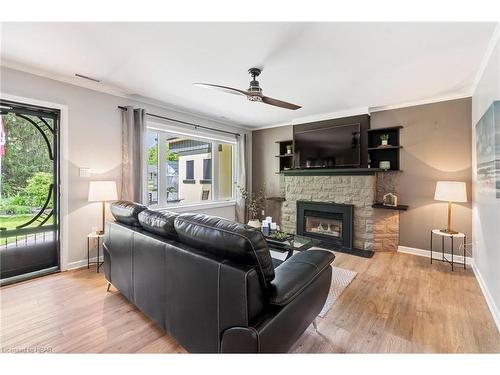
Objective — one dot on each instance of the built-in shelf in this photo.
(399, 207)
(383, 148)
(284, 157)
(390, 153)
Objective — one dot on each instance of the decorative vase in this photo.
(254, 223)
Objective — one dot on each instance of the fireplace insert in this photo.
(327, 221)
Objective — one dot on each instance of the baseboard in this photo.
(435, 254)
(487, 295)
(83, 263)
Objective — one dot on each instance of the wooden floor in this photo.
(397, 303)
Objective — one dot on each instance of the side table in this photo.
(437, 232)
(90, 236)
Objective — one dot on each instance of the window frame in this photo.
(164, 129)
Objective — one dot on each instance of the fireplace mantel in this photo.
(332, 172)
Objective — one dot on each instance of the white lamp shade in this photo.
(102, 191)
(450, 191)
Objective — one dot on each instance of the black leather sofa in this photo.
(210, 283)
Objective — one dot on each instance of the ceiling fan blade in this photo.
(229, 90)
(279, 103)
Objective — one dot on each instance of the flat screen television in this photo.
(331, 147)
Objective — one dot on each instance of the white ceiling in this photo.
(325, 67)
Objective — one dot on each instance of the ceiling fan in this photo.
(254, 92)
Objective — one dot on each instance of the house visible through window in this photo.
(186, 170)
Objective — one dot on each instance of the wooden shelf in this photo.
(332, 172)
(284, 156)
(399, 207)
(384, 148)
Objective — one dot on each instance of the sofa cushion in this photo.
(127, 212)
(238, 242)
(159, 222)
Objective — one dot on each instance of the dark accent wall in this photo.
(436, 141)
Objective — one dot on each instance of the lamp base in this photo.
(448, 231)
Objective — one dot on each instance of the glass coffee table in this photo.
(294, 242)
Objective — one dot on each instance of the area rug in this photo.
(341, 278)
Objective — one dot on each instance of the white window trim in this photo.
(163, 128)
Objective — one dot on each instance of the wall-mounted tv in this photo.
(331, 147)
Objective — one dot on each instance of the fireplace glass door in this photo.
(324, 226)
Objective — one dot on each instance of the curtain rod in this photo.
(185, 123)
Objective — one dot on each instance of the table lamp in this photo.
(450, 191)
(102, 191)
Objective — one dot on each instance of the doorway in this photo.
(29, 191)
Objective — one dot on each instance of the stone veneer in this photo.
(374, 229)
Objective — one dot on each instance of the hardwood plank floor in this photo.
(398, 303)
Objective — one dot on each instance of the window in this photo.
(207, 169)
(152, 172)
(184, 169)
(189, 169)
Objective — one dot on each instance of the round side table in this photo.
(93, 236)
(443, 235)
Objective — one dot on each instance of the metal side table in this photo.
(437, 232)
(90, 236)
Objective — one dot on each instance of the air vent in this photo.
(86, 77)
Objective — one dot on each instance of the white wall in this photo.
(485, 206)
(94, 141)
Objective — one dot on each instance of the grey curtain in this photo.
(241, 179)
(133, 154)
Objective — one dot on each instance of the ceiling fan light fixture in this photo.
(254, 98)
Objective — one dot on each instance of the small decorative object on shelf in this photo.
(254, 204)
(288, 149)
(384, 139)
(390, 200)
(384, 164)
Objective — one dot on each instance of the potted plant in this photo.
(254, 204)
(384, 138)
(288, 149)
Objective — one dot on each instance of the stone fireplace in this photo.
(326, 221)
(372, 229)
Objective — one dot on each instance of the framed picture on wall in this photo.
(488, 151)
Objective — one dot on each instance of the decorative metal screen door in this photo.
(29, 191)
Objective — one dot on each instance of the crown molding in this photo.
(366, 110)
(495, 37)
(421, 102)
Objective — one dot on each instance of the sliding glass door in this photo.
(29, 191)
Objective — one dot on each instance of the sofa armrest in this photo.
(296, 273)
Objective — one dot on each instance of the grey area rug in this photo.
(341, 278)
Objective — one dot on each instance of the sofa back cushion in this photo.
(238, 242)
(127, 212)
(159, 222)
